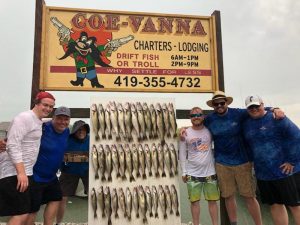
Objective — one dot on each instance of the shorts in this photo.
(69, 183)
(209, 187)
(284, 191)
(238, 177)
(42, 193)
(12, 201)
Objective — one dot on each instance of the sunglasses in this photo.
(196, 115)
(253, 107)
(219, 103)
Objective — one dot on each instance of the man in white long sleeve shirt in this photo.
(16, 168)
(197, 164)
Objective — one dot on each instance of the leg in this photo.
(213, 211)
(61, 210)
(231, 208)
(50, 212)
(17, 220)
(31, 218)
(279, 214)
(254, 210)
(296, 213)
(195, 209)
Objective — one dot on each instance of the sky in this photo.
(260, 51)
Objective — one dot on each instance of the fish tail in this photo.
(145, 220)
(138, 174)
(151, 214)
(171, 174)
(129, 217)
(103, 214)
(156, 215)
(150, 173)
(97, 176)
(177, 213)
(109, 221)
(176, 172)
(157, 174)
(109, 178)
(137, 215)
(117, 215)
(163, 174)
(124, 177)
(97, 137)
(175, 135)
(165, 216)
(144, 176)
(132, 178)
(103, 136)
(118, 174)
(171, 211)
(109, 136)
(95, 214)
(125, 214)
(103, 178)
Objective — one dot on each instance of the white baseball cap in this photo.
(253, 100)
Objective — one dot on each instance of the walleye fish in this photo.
(154, 157)
(108, 161)
(122, 201)
(148, 122)
(160, 124)
(161, 160)
(107, 122)
(174, 197)
(167, 158)
(162, 200)
(174, 158)
(142, 160)
(101, 200)
(153, 121)
(107, 199)
(129, 162)
(135, 123)
(155, 201)
(122, 160)
(135, 159)
(142, 203)
(114, 119)
(166, 119)
(149, 200)
(169, 199)
(101, 162)
(121, 120)
(173, 124)
(141, 119)
(94, 202)
(128, 203)
(95, 121)
(114, 198)
(95, 161)
(101, 118)
(115, 159)
(136, 202)
(128, 121)
(148, 159)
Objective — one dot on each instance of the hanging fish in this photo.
(115, 159)
(108, 161)
(172, 117)
(141, 119)
(101, 200)
(153, 121)
(154, 157)
(169, 199)
(161, 159)
(129, 162)
(94, 202)
(142, 203)
(107, 122)
(128, 120)
(122, 200)
(136, 202)
(174, 158)
(128, 203)
(107, 199)
(114, 119)
(142, 160)
(148, 159)
(167, 158)
(149, 200)
(160, 123)
(95, 161)
(174, 197)
(148, 122)
(95, 121)
(115, 206)
(101, 118)
(122, 160)
(135, 159)
(121, 120)
(162, 200)
(155, 199)
(101, 162)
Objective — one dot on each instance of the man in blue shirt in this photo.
(46, 188)
(275, 149)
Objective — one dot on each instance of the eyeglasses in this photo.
(253, 107)
(196, 115)
(219, 103)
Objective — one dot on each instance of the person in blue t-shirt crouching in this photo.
(275, 149)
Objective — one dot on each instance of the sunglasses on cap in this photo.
(196, 115)
(218, 103)
(253, 107)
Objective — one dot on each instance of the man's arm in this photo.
(2, 145)
(182, 159)
(22, 184)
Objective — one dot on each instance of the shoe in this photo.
(78, 82)
(95, 83)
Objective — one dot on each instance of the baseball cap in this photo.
(44, 94)
(62, 110)
(253, 100)
(78, 124)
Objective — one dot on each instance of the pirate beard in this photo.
(95, 54)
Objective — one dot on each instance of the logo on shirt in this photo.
(198, 144)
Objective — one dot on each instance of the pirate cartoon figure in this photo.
(87, 51)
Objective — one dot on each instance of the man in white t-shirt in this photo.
(197, 164)
(16, 167)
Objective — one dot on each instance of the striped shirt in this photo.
(23, 144)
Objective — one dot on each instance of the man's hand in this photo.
(182, 133)
(287, 168)
(2, 145)
(184, 179)
(22, 182)
(278, 114)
